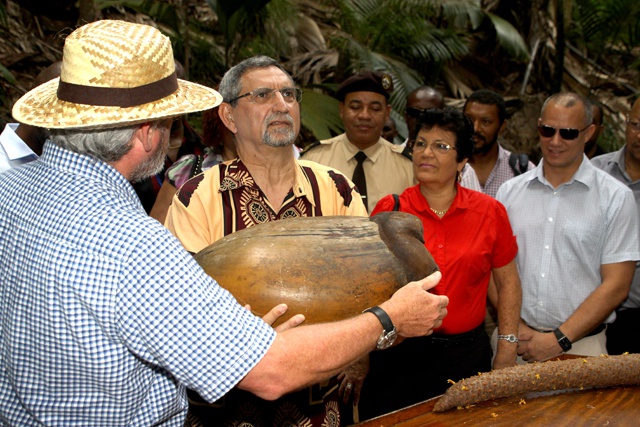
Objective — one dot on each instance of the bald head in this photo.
(419, 100)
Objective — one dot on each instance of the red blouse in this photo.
(473, 237)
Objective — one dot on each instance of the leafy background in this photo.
(524, 50)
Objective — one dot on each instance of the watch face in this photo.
(387, 340)
(565, 344)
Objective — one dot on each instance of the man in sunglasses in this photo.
(375, 165)
(491, 162)
(577, 230)
(624, 165)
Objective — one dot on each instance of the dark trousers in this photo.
(420, 368)
(623, 335)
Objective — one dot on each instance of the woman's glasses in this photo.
(567, 134)
(436, 147)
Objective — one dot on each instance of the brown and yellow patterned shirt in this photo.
(225, 199)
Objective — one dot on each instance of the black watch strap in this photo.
(383, 317)
(564, 342)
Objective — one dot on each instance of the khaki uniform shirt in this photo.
(386, 170)
(225, 199)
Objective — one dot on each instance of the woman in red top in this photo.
(469, 235)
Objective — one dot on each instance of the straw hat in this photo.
(114, 73)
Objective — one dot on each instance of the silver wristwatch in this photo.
(511, 338)
(389, 335)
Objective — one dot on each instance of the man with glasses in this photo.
(376, 166)
(577, 231)
(624, 165)
(265, 183)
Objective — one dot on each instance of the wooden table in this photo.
(610, 407)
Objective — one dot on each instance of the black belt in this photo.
(453, 339)
(601, 327)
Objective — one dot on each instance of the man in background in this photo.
(624, 165)
(376, 166)
(492, 164)
(21, 143)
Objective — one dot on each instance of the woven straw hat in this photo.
(114, 73)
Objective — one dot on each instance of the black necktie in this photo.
(358, 177)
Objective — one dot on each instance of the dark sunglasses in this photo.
(567, 134)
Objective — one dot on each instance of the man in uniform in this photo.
(375, 165)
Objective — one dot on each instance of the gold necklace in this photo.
(440, 213)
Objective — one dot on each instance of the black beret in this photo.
(366, 81)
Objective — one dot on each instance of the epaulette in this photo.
(309, 147)
(406, 152)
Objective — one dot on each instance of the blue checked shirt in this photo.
(104, 318)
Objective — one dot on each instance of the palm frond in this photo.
(320, 114)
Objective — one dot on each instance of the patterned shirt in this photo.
(387, 171)
(500, 173)
(613, 164)
(104, 318)
(564, 236)
(225, 199)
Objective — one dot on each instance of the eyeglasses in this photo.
(436, 147)
(634, 126)
(264, 94)
(567, 134)
(414, 113)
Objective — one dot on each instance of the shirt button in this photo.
(540, 304)
(550, 219)
(542, 275)
(546, 247)
(440, 246)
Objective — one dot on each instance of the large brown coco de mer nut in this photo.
(327, 268)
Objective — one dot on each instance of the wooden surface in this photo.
(619, 406)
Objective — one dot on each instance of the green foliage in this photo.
(606, 26)
(160, 11)
(320, 114)
(7, 75)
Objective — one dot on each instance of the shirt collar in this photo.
(13, 145)
(372, 152)
(301, 184)
(584, 174)
(88, 167)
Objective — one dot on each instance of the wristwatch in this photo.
(388, 336)
(562, 340)
(511, 338)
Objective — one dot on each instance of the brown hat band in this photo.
(115, 96)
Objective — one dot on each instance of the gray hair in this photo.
(568, 100)
(231, 82)
(108, 145)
